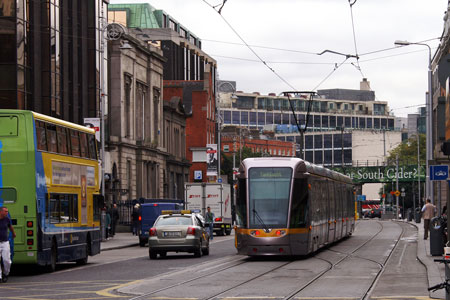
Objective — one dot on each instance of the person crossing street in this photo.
(209, 219)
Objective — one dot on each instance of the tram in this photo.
(288, 206)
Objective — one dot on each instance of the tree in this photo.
(227, 161)
(407, 155)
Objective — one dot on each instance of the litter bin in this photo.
(417, 215)
(410, 215)
(437, 227)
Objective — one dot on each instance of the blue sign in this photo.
(361, 198)
(439, 172)
(197, 175)
(219, 180)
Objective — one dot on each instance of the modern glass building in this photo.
(49, 56)
(333, 116)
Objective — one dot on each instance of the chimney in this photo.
(364, 85)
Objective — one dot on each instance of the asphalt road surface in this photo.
(377, 262)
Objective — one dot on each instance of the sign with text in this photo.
(383, 174)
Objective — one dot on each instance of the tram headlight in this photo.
(280, 232)
(255, 232)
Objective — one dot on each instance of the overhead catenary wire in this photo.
(250, 48)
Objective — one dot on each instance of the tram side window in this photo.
(62, 140)
(299, 209)
(241, 203)
(92, 147)
(51, 138)
(62, 208)
(84, 145)
(75, 142)
(41, 139)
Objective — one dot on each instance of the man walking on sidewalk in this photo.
(428, 211)
(5, 251)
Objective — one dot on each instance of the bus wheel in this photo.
(51, 267)
(84, 260)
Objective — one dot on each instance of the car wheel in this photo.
(198, 251)
(142, 242)
(163, 254)
(221, 232)
(152, 254)
(228, 231)
(205, 251)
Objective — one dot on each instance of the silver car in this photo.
(178, 231)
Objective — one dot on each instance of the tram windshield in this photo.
(269, 197)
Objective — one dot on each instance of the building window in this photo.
(128, 110)
(156, 100)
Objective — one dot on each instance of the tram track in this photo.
(292, 294)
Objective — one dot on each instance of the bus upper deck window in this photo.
(62, 140)
(84, 145)
(92, 147)
(41, 139)
(51, 138)
(75, 142)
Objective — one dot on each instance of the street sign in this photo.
(403, 194)
(397, 193)
(219, 180)
(197, 175)
(361, 198)
(439, 172)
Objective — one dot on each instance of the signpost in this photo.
(439, 172)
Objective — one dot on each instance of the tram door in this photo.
(331, 211)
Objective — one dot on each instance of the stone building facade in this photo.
(136, 163)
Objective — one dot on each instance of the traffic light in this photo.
(445, 147)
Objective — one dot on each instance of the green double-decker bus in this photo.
(49, 180)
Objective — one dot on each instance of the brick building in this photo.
(260, 144)
(200, 123)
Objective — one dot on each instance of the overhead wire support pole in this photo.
(299, 127)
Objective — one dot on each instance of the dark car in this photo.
(178, 231)
(375, 213)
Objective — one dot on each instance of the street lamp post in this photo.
(219, 121)
(429, 193)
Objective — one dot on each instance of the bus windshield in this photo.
(269, 190)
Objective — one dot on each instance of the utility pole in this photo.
(396, 189)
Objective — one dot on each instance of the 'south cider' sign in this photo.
(383, 174)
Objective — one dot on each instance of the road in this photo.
(377, 262)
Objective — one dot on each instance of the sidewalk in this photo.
(120, 240)
(435, 270)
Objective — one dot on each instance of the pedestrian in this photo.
(114, 219)
(135, 218)
(209, 219)
(5, 251)
(107, 223)
(428, 212)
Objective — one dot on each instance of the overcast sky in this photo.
(299, 29)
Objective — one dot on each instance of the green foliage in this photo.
(226, 166)
(407, 155)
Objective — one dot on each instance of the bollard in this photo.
(102, 225)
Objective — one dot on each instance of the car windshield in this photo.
(172, 220)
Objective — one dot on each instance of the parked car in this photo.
(375, 213)
(178, 231)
